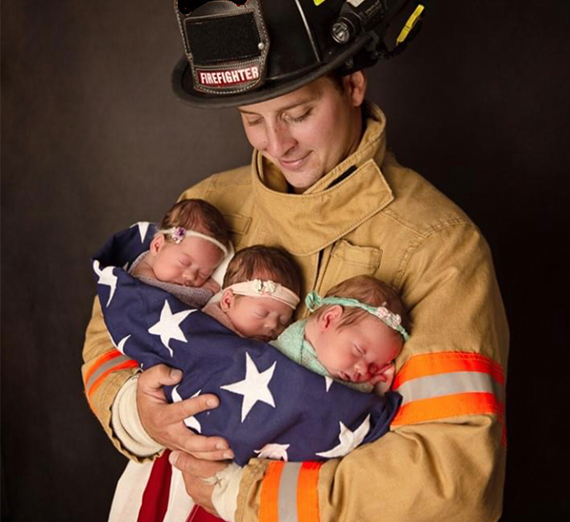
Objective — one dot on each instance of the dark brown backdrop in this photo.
(93, 140)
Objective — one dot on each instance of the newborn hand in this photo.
(384, 377)
(210, 284)
(164, 422)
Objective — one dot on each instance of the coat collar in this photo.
(332, 207)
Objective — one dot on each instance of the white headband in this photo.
(259, 288)
(179, 233)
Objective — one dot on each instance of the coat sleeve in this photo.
(105, 370)
(444, 457)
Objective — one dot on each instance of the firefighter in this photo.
(322, 185)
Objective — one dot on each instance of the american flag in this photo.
(270, 407)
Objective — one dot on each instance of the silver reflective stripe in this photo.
(288, 492)
(449, 384)
(104, 367)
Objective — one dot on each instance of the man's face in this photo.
(308, 132)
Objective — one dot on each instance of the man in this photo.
(322, 185)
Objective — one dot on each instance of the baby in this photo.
(353, 335)
(191, 242)
(270, 406)
(260, 293)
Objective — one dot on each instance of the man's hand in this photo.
(164, 422)
(196, 473)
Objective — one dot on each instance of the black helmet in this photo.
(238, 53)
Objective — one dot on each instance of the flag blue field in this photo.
(270, 407)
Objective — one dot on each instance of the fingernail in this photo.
(175, 374)
(221, 446)
(173, 458)
(228, 455)
(212, 403)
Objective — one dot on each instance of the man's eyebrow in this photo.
(283, 109)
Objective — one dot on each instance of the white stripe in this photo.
(179, 503)
(287, 503)
(449, 384)
(129, 492)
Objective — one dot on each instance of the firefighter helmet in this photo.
(242, 54)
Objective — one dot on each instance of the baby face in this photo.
(261, 318)
(189, 263)
(361, 352)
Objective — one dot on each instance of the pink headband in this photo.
(259, 288)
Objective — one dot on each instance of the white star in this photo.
(106, 277)
(168, 327)
(191, 422)
(255, 386)
(121, 345)
(143, 228)
(348, 440)
(273, 451)
(328, 382)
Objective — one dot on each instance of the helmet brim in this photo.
(183, 86)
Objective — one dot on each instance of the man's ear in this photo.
(330, 317)
(355, 87)
(157, 243)
(227, 300)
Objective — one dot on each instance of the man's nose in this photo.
(279, 140)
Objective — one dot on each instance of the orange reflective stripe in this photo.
(269, 506)
(447, 406)
(113, 354)
(307, 492)
(122, 366)
(447, 362)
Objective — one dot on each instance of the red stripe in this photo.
(122, 366)
(199, 514)
(308, 492)
(113, 354)
(155, 497)
(269, 496)
(428, 364)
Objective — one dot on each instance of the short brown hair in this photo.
(198, 215)
(263, 262)
(367, 290)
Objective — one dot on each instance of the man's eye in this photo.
(252, 123)
(298, 119)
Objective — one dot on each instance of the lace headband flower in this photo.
(179, 233)
(268, 288)
(394, 321)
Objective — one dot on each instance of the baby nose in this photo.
(189, 275)
(271, 324)
(366, 369)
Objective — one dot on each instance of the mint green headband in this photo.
(394, 321)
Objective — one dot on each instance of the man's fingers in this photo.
(195, 466)
(178, 411)
(158, 376)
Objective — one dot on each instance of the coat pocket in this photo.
(238, 225)
(347, 260)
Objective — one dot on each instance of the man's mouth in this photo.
(294, 164)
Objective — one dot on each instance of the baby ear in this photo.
(330, 317)
(227, 300)
(157, 243)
